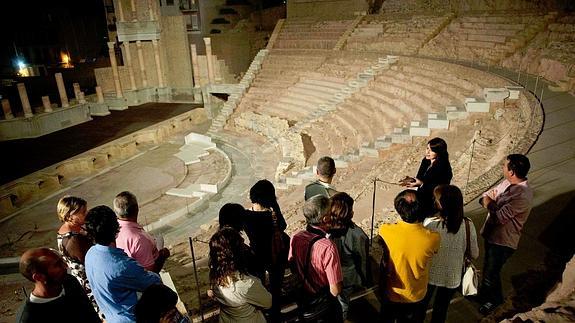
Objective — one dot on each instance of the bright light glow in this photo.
(65, 58)
(21, 64)
(24, 72)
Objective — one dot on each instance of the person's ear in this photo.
(39, 277)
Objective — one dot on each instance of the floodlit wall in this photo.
(325, 8)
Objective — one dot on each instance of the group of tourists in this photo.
(113, 264)
(105, 269)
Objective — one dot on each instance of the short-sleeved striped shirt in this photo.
(325, 267)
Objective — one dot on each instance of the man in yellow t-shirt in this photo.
(410, 247)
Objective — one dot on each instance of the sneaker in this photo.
(487, 308)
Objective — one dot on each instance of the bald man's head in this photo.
(42, 261)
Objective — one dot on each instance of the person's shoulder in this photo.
(313, 184)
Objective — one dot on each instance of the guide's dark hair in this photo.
(439, 146)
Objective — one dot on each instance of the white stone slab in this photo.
(188, 157)
(210, 188)
(192, 190)
(476, 106)
(193, 137)
(495, 94)
(419, 129)
(456, 113)
(514, 92)
(437, 121)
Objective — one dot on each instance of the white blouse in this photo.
(447, 265)
(242, 300)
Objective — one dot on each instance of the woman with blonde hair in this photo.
(447, 265)
(73, 242)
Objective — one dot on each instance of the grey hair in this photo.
(126, 205)
(315, 209)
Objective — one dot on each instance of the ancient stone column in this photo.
(158, 62)
(120, 11)
(81, 97)
(195, 66)
(99, 94)
(62, 90)
(209, 58)
(128, 63)
(46, 103)
(112, 55)
(24, 98)
(134, 13)
(77, 91)
(151, 9)
(141, 62)
(7, 110)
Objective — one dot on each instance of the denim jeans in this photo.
(495, 258)
(440, 303)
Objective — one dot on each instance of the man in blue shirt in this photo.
(115, 278)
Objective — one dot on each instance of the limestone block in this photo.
(401, 136)
(192, 190)
(193, 137)
(210, 188)
(456, 113)
(437, 121)
(419, 129)
(473, 105)
(514, 92)
(495, 94)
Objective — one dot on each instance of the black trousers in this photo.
(402, 312)
(443, 296)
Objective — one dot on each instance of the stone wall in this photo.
(176, 51)
(325, 8)
(469, 5)
(234, 48)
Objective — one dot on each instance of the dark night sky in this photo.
(36, 26)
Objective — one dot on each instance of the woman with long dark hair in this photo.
(447, 265)
(262, 223)
(241, 295)
(434, 170)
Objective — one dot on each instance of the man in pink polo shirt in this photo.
(315, 259)
(137, 243)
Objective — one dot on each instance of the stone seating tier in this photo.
(429, 87)
(433, 96)
(308, 44)
(447, 78)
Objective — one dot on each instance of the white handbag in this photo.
(470, 278)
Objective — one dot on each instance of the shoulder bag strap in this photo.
(308, 260)
(467, 249)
